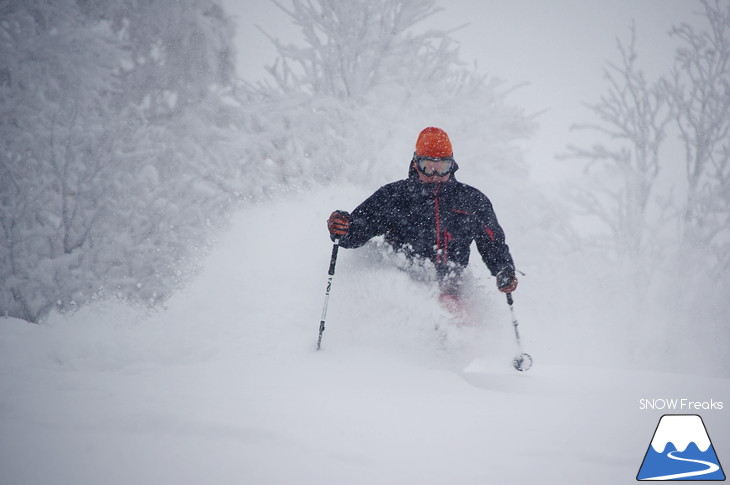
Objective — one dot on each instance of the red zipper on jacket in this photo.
(441, 250)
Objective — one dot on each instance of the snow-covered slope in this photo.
(223, 386)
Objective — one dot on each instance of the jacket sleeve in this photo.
(490, 237)
(369, 219)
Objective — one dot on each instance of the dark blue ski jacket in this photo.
(437, 222)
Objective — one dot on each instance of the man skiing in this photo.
(433, 217)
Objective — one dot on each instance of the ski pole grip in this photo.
(509, 299)
(333, 258)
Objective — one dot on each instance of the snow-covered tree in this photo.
(56, 138)
(633, 117)
(699, 91)
(693, 100)
(675, 245)
(178, 50)
(350, 101)
(108, 112)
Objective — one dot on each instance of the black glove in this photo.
(506, 280)
(338, 223)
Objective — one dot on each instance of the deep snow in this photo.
(223, 386)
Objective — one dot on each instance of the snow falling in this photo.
(165, 252)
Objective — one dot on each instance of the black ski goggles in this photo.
(431, 166)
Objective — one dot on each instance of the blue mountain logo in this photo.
(681, 450)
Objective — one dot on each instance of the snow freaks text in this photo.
(678, 404)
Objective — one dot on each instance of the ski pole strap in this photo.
(333, 258)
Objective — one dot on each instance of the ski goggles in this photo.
(430, 166)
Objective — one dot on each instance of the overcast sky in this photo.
(559, 47)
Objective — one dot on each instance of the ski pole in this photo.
(331, 273)
(515, 323)
(522, 361)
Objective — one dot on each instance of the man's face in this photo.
(432, 179)
(432, 170)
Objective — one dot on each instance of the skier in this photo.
(433, 217)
